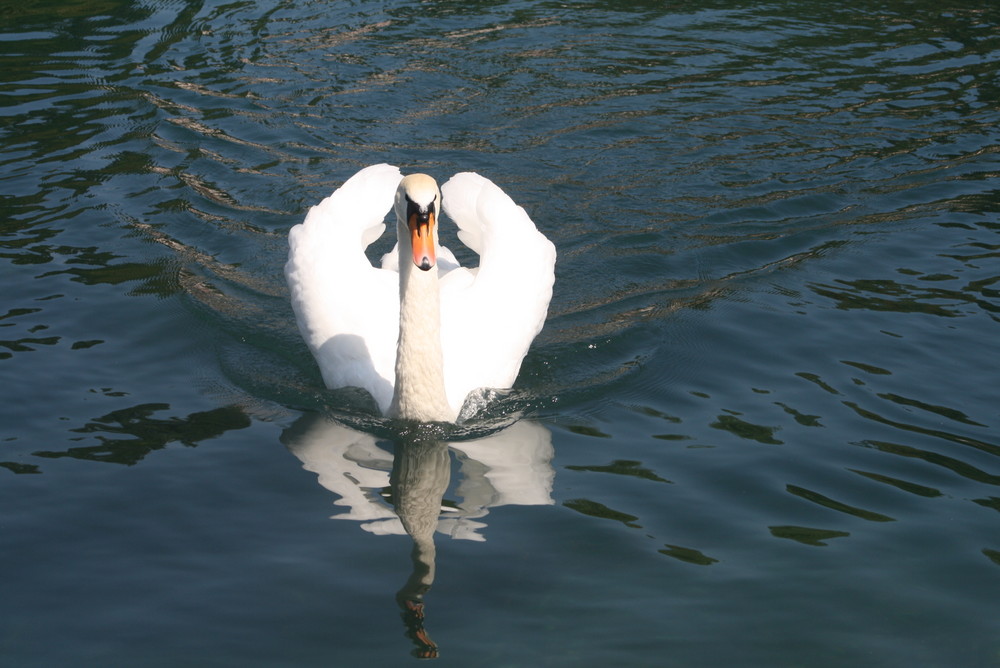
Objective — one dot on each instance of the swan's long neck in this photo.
(419, 392)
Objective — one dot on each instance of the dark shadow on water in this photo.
(400, 485)
(126, 436)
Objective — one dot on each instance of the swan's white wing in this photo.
(348, 310)
(490, 315)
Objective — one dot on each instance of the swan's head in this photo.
(418, 202)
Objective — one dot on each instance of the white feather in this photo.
(489, 317)
(348, 311)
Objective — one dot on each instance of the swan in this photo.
(420, 333)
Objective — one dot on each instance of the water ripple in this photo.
(770, 349)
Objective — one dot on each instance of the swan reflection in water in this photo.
(402, 491)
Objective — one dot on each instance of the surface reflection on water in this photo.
(773, 331)
(403, 491)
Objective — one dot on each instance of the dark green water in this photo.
(761, 427)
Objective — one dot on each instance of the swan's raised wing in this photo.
(348, 310)
(490, 315)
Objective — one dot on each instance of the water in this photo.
(760, 427)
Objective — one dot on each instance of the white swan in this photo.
(420, 333)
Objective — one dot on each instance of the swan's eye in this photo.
(422, 212)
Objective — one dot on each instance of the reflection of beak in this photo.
(422, 239)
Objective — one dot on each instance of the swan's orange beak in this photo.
(422, 239)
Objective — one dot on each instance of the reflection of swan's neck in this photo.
(419, 390)
(420, 475)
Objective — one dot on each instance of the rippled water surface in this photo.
(760, 428)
